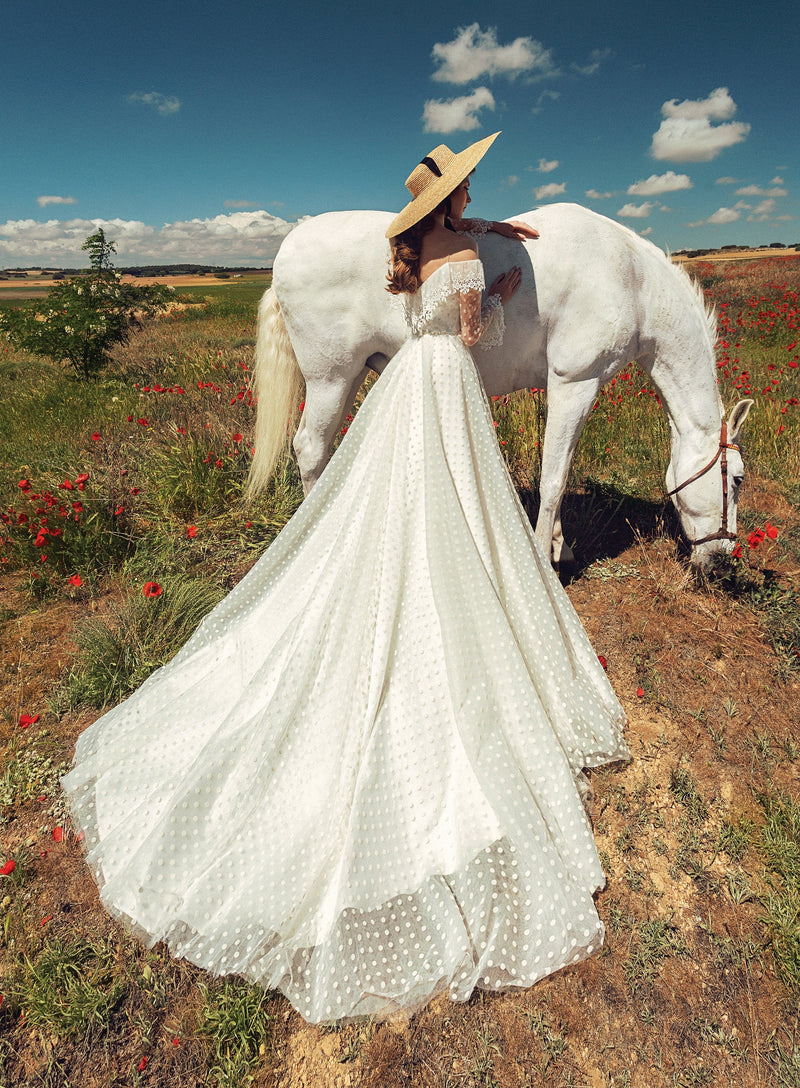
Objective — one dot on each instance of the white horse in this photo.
(595, 297)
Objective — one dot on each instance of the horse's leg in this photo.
(568, 407)
(327, 404)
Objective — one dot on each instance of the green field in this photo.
(141, 474)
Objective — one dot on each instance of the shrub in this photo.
(85, 316)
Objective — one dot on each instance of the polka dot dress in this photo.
(360, 781)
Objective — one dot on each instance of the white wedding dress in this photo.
(360, 781)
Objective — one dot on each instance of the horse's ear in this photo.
(739, 414)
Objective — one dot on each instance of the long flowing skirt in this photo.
(361, 780)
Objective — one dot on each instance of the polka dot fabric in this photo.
(360, 781)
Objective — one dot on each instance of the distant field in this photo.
(38, 286)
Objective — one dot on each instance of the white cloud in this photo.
(596, 58)
(236, 238)
(756, 190)
(475, 53)
(547, 167)
(457, 114)
(777, 181)
(645, 232)
(636, 211)
(660, 183)
(762, 211)
(240, 204)
(43, 201)
(546, 96)
(727, 181)
(687, 134)
(594, 195)
(721, 215)
(510, 181)
(161, 103)
(553, 188)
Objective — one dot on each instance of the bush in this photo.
(85, 316)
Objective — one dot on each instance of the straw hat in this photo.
(439, 173)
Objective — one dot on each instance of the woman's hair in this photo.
(406, 249)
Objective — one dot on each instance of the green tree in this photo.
(85, 316)
(100, 250)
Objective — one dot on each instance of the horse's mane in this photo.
(709, 309)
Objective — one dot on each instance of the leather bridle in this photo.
(723, 533)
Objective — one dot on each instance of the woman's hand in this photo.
(507, 284)
(515, 229)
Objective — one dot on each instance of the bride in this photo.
(361, 781)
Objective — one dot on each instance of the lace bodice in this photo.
(449, 302)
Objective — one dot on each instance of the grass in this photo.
(699, 836)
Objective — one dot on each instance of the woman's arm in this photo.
(483, 319)
(515, 229)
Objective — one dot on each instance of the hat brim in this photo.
(459, 168)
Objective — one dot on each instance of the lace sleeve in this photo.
(477, 227)
(481, 320)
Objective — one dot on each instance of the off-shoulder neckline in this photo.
(449, 264)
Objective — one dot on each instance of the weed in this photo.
(69, 986)
(653, 941)
(684, 789)
(143, 633)
(780, 847)
(234, 1025)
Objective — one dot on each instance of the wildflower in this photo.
(28, 719)
(640, 692)
(118, 511)
(67, 485)
(602, 661)
(58, 834)
(191, 531)
(152, 589)
(80, 481)
(47, 918)
(8, 868)
(141, 1066)
(771, 531)
(142, 422)
(737, 552)
(236, 437)
(96, 436)
(755, 538)
(75, 580)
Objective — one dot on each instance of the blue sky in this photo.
(202, 131)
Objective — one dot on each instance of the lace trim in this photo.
(493, 320)
(421, 307)
(479, 227)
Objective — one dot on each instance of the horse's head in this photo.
(706, 494)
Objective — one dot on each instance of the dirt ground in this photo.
(684, 991)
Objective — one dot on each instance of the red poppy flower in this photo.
(8, 868)
(602, 661)
(176, 1042)
(640, 692)
(58, 834)
(737, 552)
(66, 486)
(41, 538)
(46, 919)
(755, 538)
(28, 719)
(236, 437)
(140, 1067)
(142, 422)
(24, 485)
(95, 437)
(75, 580)
(80, 481)
(152, 589)
(191, 531)
(772, 532)
(118, 511)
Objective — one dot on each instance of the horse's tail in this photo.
(278, 385)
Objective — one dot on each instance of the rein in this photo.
(721, 455)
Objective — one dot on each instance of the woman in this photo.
(360, 781)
